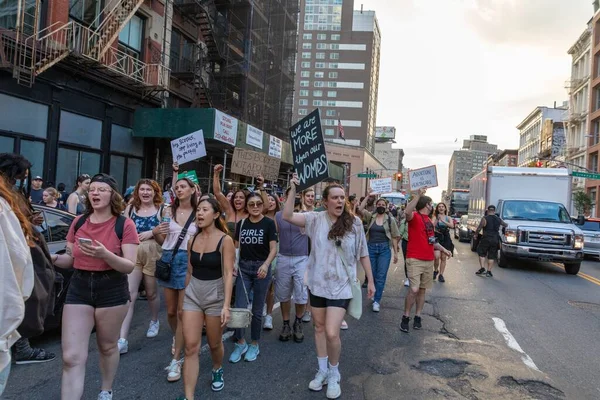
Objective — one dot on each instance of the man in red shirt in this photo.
(420, 256)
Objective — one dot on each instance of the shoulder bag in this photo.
(239, 317)
(163, 268)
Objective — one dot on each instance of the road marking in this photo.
(581, 275)
(229, 334)
(513, 344)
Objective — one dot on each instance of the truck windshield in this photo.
(535, 211)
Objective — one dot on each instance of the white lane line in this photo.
(229, 334)
(513, 344)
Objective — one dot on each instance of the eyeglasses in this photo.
(257, 204)
(99, 190)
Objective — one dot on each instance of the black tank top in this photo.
(209, 267)
(492, 225)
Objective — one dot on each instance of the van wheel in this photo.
(502, 259)
(572, 268)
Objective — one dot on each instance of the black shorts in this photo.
(322, 302)
(488, 247)
(98, 289)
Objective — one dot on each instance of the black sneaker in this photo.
(298, 331)
(417, 323)
(404, 324)
(489, 274)
(441, 278)
(365, 284)
(286, 333)
(435, 274)
(35, 357)
(480, 272)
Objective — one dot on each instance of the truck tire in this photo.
(502, 259)
(572, 268)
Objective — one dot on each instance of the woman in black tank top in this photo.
(208, 288)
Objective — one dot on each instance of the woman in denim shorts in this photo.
(167, 234)
(98, 293)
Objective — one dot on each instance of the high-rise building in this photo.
(468, 161)
(505, 158)
(338, 69)
(530, 132)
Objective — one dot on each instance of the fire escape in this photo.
(30, 51)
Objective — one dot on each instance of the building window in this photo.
(34, 152)
(304, 83)
(333, 65)
(331, 103)
(304, 93)
(319, 65)
(335, 37)
(334, 56)
(307, 46)
(182, 53)
(305, 74)
(319, 84)
(320, 56)
(319, 74)
(317, 93)
(303, 102)
(122, 141)
(333, 75)
(329, 132)
(307, 36)
(130, 37)
(593, 193)
(302, 111)
(305, 64)
(594, 162)
(331, 113)
(334, 46)
(22, 116)
(332, 84)
(594, 138)
(332, 93)
(321, 46)
(85, 11)
(317, 103)
(81, 130)
(306, 55)
(321, 36)
(72, 163)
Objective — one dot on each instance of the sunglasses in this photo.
(257, 204)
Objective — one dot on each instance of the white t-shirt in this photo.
(326, 275)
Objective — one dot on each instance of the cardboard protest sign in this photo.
(191, 175)
(379, 186)
(308, 150)
(422, 178)
(252, 163)
(189, 147)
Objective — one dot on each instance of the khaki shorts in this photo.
(147, 253)
(420, 273)
(205, 296)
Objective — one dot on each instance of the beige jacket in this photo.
(16, 279)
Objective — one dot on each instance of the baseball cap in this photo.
(105, 178)
(37, 178)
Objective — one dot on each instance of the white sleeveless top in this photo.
(174, 232)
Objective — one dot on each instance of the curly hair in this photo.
(136, 202)
(13, 199)
(345, 221)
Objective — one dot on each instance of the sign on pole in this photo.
(422, 178)
(252, 163)
(588, 175)
(191, 175)
(308, 150)
(254, 137)
(365, 175)
(189, 147)
(225, 128)
(379, 186)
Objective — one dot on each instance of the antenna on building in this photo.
(361, 8)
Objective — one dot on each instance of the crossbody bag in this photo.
(163, 268)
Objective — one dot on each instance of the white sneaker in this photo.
(174, 369)
(406, 282)
(306, 317)
(376, 306)
(265, 310)
(333, 386)
(153, 329)
(319, 381)
(104, 395)
(344, 326)
(123, 345)
(268, 324)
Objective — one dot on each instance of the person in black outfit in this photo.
(488, 244)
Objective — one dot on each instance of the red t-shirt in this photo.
(418, 233)
(105, 234)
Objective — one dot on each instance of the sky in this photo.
(455, 68)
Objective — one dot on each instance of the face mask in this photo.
(380, 210)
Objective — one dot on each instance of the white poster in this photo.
(189, 147)
(225, 128)
(380, 186)
(254, 137)
(422, 178)
(275, 147)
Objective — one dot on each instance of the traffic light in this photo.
(398, 177)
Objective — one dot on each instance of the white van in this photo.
(396, 198)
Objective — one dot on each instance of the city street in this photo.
(462, 352)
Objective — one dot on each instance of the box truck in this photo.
(534, 203)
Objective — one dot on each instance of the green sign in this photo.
(588, 175)
(191, 175)
(367, 176)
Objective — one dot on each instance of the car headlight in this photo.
(511, 236)
(578, 243)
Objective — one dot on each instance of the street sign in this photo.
(585, 175)
(372, 176)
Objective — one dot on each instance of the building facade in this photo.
(593, 140)
(530, 132)
(505, 158)
(391, 158)
(337, 69)
(468, 161)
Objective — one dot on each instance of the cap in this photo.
(37, 178)
(105, 178)
(129, 191)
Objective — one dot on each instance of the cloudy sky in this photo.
(454, 68)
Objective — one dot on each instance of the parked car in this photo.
(462, 231)
(55, 229)
(591, 236)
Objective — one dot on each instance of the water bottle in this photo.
(167, 215)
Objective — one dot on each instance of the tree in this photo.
(583, 201)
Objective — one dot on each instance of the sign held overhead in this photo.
(308, 150)
(380, 186)
(422, 178)
(189, 147)
(252, 163)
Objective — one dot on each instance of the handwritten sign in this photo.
(252, 163)
(308, 150)
(225, 128)
(383, 185)
(189, 147)
(422, 178)
(275, 147)
(191, 175)
(254, 137)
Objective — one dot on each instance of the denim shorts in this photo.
(98, 289)
(179, 267)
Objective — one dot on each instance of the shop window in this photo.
(75, 128)
(134, 171)
(117, 169)
(7, 144)
(122, 141)
(85, 11)
(126, 170)
(34, 153)
(72, 163)
(22, 116)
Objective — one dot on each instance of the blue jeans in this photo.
(380, 255)
(247, 276)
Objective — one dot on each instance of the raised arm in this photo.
(288, 213)
(363, 204)
(411, 207)
(225, 205)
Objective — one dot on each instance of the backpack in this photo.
(119, 225)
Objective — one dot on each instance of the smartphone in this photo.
(86, 241)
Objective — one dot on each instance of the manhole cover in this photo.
(585, 305)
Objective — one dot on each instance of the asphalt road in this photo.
(469, 348)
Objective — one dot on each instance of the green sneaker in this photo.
(217, 380)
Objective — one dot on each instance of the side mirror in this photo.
(580, 220)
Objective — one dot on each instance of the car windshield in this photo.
(535, 211)
(590, 226)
